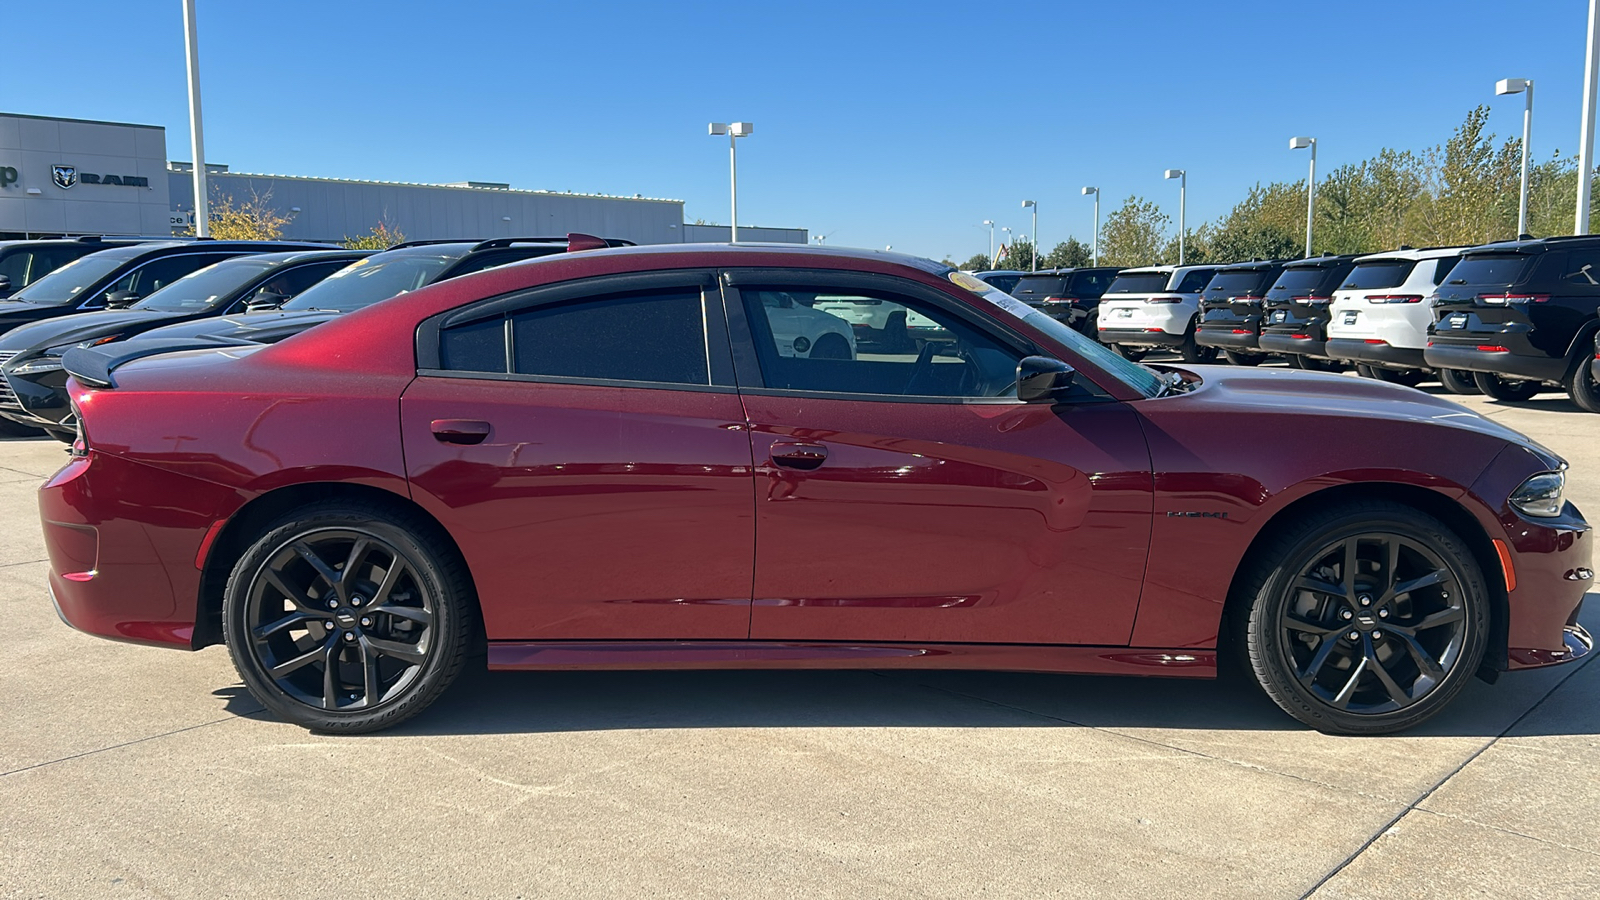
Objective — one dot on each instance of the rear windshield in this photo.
(372, 279)
(1300, 280)
(1139, 283)
(1380, 273)
(1091, 284)
(205, 288)
(1038, 287)
(1503, 269)
(1232, 284)
(66, 284)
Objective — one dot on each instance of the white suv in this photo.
(1155, 306)
(1381, 313)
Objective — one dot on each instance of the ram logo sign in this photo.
(67, 176)
(64, 176)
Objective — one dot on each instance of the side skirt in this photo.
(511, 655)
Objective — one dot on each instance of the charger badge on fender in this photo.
(1192, 514)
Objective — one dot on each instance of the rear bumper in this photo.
(1379, 354)
(1461, 356)
(1289, 344)
(1140, 337)
(1227, 337)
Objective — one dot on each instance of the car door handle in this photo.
(460, 431)
(797, 455)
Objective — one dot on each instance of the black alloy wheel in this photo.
(1366, 619)
(1506, 389)
(1241, 358)
(1583, 390)
(347, 619)
(1458, 381)
(1131, 354)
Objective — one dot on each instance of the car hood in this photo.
(263, 327)
(30, 339)
(17, 312)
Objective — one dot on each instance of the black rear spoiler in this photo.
(93, 365)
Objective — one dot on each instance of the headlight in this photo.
(37, 366)
(1541, 495)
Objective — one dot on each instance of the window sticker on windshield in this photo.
(982, 288)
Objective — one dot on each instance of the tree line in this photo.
(1461, 192)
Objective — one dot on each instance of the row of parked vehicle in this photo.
(1507, 319)
(161, 296)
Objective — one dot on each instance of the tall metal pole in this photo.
(191, 43)
(1095, 246)
(1035, 266)
(1591, 73)
(1527, 133)
(1183, 197)
(1311, 195)
(733, 176)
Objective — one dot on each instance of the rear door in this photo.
(585, 446)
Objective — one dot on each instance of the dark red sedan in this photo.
(633, 458)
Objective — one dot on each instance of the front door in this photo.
(586, 448)
(905, 494)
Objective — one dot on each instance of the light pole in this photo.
(191, 46)
(1094, 246)
(1005, 241)
(734, 132)
(1029, 204)
(1300, 143)
(1591, 75)
(1183, 197)
(990, 223)
(1521, 86)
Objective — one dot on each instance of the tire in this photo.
(9, 428)
(1296, 361)
(1504, 388)
(1192, 352)
(1090, 326)
(1407, 377)
(1240, 358)
(830, 346)
(416, 643)
(1583, 390)
(1458, 381)
(1297, 638)
(1131, 354)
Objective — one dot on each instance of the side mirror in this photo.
(5, 285)
(1041, 379)
(264, 301)
(121, 299)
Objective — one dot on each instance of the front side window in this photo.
(866, 342)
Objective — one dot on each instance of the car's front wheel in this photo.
(1366, 618)
(347, 618)
(1192, 352)
(1584, 390)
(1458, 381)
(1507, 389)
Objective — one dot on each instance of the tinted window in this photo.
(1299, 281)
(489, 260)
(1139, 283)
(204, 288)
(1002, 282)
(1582, 268)
(1035, 288)
(65, 284)
(1195, 282)
(378, 277)
(1502, 269)
(1091, 284)
(474, 347)
(1379, 273)
(1447, 264)
(158, 273)
(902, 346)
(1232, 284)
(15, 267)
(651, 336)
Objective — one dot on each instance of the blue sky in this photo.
(876, 123)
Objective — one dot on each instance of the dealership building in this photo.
(62, 177)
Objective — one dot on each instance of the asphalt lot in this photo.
(127, 770)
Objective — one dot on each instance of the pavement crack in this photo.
(26, 562)
(1587, 851)
(153, 737)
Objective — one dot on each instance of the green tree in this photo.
(1070, 252)
(252, 220)
(978, 262)
(1019, 255)
(1134, 234)
(381, 237)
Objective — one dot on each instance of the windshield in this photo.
(370, 280)
(1380, 273)
(65, 284)
(1139, 283)
(1300, 280)
(202, 289)
(1504, 269)
(1232, 284)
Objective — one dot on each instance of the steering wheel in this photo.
(922, 367)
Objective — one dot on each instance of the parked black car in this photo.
(1068, 295)
(1295, 317)
(1230, 310)
(32, 382)
(24, 262)
(404, 267)
(1519, 315)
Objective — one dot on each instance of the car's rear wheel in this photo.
(830, 346)
(1240, 358)
(1365, 618)
(347, 618)
(1132, 354)
(1192, 352)
(1508, 389)
(1584, 391)
(1458, 381)
(1407, 377)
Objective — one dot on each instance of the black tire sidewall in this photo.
(1499, 389)
(1458, 382)
(1585, 393)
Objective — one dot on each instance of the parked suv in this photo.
(1380, 315)
(1071, 295)
(1294, 319)
(1518, 314)
(32, 383)
(1155, 306)
(24, 262)
(1230, 310)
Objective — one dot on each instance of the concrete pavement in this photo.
(133, 771)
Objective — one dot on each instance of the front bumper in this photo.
(1376, 354)
(1140, 337)
(41, 397)
(1441, 355)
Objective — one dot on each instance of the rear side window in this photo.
(1446, 265)
(1195, 282)
(1092, 284)
(1139, 283)
(1379, 273)
(654, 336)
(1582, 268)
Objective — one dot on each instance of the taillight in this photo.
(1508, 297)
(1164, 300)
(1311, 298)
(1375, 341)
(1493, 348)
(1061, 299)
(1394, 298)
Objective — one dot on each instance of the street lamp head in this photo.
(989, 222)
(741, 129)
(1300, 143)
(1174, 173)
(719, 128)
(1028, 203)
(1090, 190)
(1512, 85)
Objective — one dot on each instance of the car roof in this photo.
(296, 256)
(1535, 245)
(1319, 262)
(1412, 253)
(1001, 272)
(814, 255)
(1251, 264)
(1159, 270)
(134, 251)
